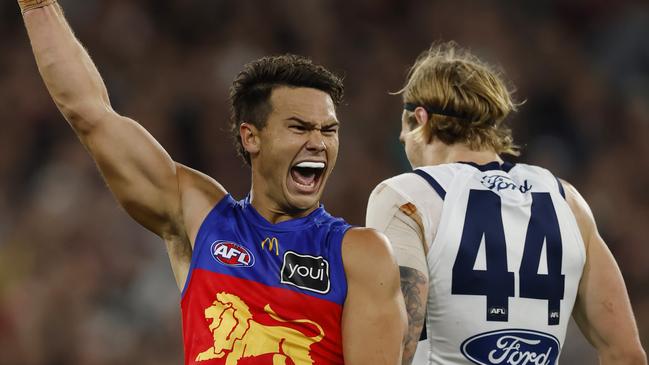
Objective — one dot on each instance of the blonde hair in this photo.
(469, 99)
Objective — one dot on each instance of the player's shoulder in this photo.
(571, 190)
(199, 195)
(443, 172)
(392, 189)
(413, 183)
(199, 186)
(397, 180)
(530, 169)
(448, 169)
(366, 246)
(393, 193)
(369, 263)
(580, 208)
(541, 178)
(364, 237)
(332, 226)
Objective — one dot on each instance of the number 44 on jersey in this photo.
(484, 219)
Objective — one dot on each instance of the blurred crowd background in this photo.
(80, 283)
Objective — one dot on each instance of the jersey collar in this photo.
(253, 215)
(493, 165)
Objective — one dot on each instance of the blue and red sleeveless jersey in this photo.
(261, 293)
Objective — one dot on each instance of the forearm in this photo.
(66, 68)
(630, 356)
(414, 286)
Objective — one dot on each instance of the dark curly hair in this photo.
(251, 90)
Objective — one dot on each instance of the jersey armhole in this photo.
(561, 189)
(219, 207)
(432, 182)
(338, 236)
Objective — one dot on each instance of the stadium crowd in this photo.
(80, 283)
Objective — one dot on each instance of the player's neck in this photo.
(437, 153)
(273, 211)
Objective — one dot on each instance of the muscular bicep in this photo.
(602, 310)
(137, 170)
(373, 315)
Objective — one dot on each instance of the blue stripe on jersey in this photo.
(563, 192)
(494, 165)
(438, 188)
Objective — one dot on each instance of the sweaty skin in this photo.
(172, 200)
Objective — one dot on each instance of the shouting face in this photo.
(293, 155)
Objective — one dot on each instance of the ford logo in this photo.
(512, 346)
(232, 254)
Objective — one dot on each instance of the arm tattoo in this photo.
(413, 283)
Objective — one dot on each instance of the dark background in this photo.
(80, 283)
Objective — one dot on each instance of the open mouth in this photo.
(307, 174)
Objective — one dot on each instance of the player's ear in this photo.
(421, 115)
(249, 138)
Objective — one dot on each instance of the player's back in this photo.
(504, 260)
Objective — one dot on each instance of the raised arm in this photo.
(374, 319)
(139, 172)
(603, 311)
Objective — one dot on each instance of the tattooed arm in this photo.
(399, 220)
(414, 286)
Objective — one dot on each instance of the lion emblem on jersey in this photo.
(237, 336)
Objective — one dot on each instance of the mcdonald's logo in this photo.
(273, 243)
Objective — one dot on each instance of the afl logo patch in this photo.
(232, 254)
